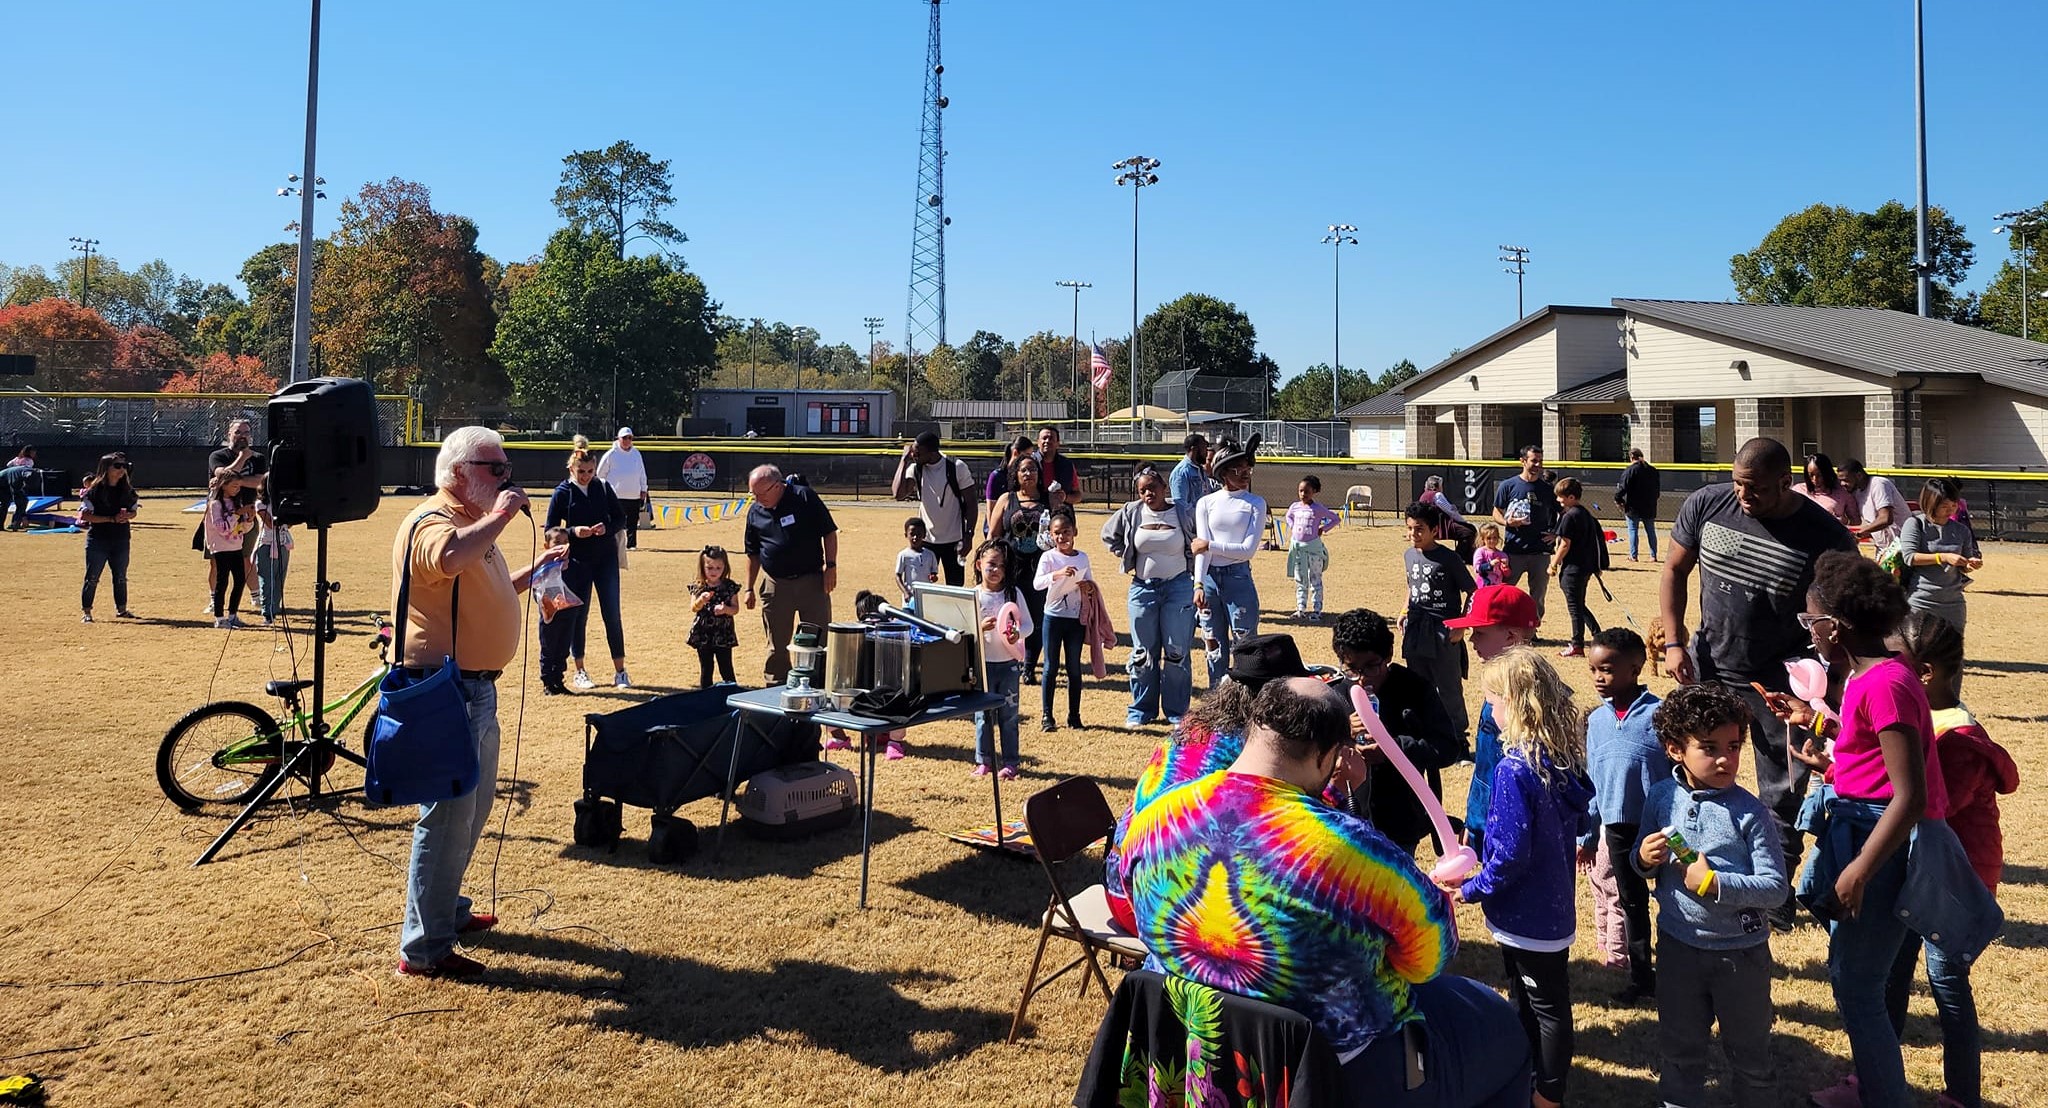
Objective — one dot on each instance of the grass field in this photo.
(128, 977)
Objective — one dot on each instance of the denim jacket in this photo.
(1943, 901)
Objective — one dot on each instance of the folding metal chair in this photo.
(1064, 821)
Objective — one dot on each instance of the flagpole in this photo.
(1094, 391)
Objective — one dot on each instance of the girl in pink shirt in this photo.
(1886, 779)
(1305, 525)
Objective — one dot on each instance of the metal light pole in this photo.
(302, 292)
(1137, 171)
(1518, 256)
(1340, 236)
(1922, 264)
(874, 325)
(1077, 286)
(85, 246)
(2019, 223)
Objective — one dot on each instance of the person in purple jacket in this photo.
(1526, 878)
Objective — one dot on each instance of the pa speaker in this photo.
(323, 452)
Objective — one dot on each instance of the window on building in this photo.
(837, 417)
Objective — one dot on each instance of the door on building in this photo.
(766, 422)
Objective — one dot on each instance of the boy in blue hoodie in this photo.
(1625, 761)
(1717, 879)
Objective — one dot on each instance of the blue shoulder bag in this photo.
(421, 748)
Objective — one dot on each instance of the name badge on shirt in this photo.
(787, 521)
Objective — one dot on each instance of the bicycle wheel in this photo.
(218, 754)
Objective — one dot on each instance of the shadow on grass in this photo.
(865, 1016)
(999, 885)
(744, 857)
(2026, 875)
(1634, 1045)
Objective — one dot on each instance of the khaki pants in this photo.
(786, 601)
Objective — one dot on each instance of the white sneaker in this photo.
(220, 623)
(582, 680)
(621, 681)
(235, 621)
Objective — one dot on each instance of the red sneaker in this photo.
(455, 967)
(478, 921)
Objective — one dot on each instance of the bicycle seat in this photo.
(282, 689)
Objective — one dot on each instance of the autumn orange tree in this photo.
(224, 373)
(399, 298)
(69, 342)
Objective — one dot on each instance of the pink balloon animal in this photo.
(1008, 622)
(1460, 861)
(1809, 677)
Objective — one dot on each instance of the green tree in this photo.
(619, 191)
(266, 334)
(945, 374)
(1306, 396)
(983, 357)
(591, 330)
(1833, 256)
(26, 284)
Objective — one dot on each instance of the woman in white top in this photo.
(1228, 523)
(1150, 535)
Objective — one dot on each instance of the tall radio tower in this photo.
(925, 322)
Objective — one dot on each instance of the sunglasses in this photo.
(498, 469)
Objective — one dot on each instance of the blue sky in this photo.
(1633, 147)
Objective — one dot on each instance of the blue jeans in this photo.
(1162, 612)
(1649, 527)
(1861, 955)
(1233, 599)
(1475, 1055)
(270, 571)
(604, 588)
(1955, 1003)
(1002, 681)
(100, 555)
(443, 840)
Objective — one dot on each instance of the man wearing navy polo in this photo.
(790, 537)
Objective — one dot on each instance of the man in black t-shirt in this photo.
(1527, 508)
(245, 470)
(791, 537)
(1755, 542)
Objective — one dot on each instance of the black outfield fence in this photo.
(2004, 506)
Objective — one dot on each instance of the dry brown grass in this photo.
(752, 980)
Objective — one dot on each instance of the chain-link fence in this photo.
(144, 419)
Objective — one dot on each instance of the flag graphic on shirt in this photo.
(1098, 367)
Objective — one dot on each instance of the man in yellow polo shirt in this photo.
(457, 543)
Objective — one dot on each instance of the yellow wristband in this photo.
(1706, 883)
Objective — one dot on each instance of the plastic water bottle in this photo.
(1045, 530)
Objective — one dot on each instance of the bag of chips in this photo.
(550, 591)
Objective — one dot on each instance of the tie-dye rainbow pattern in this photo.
(1249, 885)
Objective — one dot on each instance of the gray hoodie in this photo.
(1737, 835)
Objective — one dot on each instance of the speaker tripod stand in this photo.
(310, 755)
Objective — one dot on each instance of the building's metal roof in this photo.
(1874, 340)
(1009, 410)
(1388, 403)
(1599, 390)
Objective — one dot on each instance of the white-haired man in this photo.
(624, 468)
(455, 544)
(791, 537)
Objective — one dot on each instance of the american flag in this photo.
(1098, 367)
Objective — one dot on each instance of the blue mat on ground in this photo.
(68, 529)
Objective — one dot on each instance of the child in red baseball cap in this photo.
(1501, 616)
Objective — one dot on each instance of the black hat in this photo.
(928, 440)
(1229, 453)
(1262, 658)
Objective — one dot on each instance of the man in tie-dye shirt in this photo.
(1245, 881)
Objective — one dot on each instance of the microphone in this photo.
(524, 509)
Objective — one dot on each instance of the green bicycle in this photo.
(227, 751)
